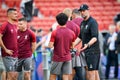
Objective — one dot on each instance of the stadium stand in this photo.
(103, 11)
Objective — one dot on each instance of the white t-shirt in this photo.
(112, 41)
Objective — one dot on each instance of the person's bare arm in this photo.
(91, 42)
(51, 45)
(33, 46)
(77, 41)
(40, 42)
(10, 52)
(1, 43)
(72, 45)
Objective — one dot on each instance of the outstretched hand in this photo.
(85, 47)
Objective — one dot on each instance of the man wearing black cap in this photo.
(90, 45)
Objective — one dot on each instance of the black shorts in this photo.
(92, 60)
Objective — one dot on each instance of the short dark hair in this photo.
(11, 9)
(39, 30)
(75, 11)
(50, 29)
(22, 19)
(61, 19)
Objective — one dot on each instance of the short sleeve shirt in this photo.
(25, 39)
(74, 27)
(9, 32)
(89, 29)
(62, 38)
(78, 21)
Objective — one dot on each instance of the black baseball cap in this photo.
(83, 7)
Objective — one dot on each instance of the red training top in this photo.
(62, 38)
(25, 39)
(74, 27)
(78, 21)
(9, 32)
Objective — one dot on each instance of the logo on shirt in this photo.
(91, 66)
(86, 26)
(18, 37)
(26, 36)
(11, 30)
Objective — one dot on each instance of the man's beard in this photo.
(14, 19)
(84, 17)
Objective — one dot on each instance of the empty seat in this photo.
(101, 25)
(107, 3)
(107, 23)
(45, 11)
(102, 11)
(116, 3)
(17, 3)
(96, 4)
(108, 8)
(9, 3)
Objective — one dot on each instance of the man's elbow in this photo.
(50, 46)
(95, 39)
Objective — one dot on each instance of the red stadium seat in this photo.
(116, 3)
(45, 11)
(9, 3)
(108, 8)
(17, 3)
(107, 23)
(50, 8)
(97, 4)
(107, 3)
(54, 12)
(100, 25)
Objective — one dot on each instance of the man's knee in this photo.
(27, 74)
(11, 75)
(52, 77)
(65, 76)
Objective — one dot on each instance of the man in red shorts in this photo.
(8, 43)
(62, 40)
(26, 46)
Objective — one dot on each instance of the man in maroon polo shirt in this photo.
(79, 69)
(62, 39)
(76, 17)
(70, 24)
(26, 46)
(8, 43)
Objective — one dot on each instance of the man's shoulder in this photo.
(77, 19)
(4, 24)
(30, 32)
(69, 31)
(3, 27)
(70, 23)
(92, 19)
